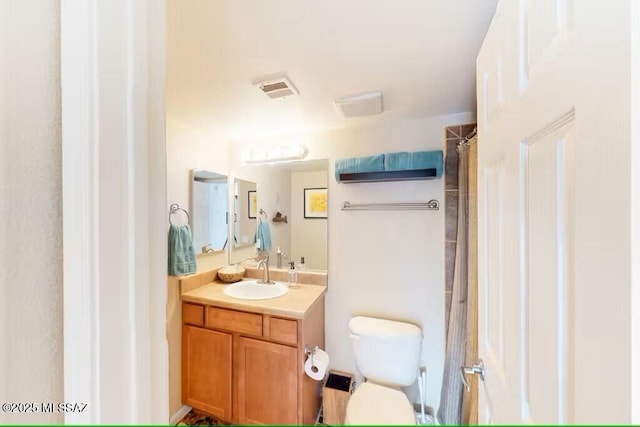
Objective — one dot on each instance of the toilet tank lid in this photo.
(371, 326)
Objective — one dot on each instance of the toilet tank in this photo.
(386, 351)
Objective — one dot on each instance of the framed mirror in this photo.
(245, 208)
(209, 210)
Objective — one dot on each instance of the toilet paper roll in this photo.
(316, 366)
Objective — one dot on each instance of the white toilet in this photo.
(387, 353)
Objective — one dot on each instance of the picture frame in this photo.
(252, 203)
(316, 203)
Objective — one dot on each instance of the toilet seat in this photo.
(376, 404)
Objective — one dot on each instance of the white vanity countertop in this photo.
(295, 304)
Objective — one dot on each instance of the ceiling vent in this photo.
(364, 104)
(277, 87)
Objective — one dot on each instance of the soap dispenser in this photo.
(293, 274)
(302, 265)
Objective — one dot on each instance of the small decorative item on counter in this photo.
(292, 275)
(231, 273)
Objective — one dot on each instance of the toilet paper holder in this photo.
(311, 353)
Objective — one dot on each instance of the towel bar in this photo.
(431, 205)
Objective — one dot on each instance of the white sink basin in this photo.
(251, 289)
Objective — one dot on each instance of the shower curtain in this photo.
(451, 399)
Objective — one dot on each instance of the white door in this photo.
(554, 212)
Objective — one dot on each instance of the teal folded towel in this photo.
(263, 235)
(417, 160)
(182, 257)
(359, 165)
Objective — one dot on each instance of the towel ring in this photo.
(174, 208)
(262, 212)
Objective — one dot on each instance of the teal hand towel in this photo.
(417, 160)
(359, 165)
(263, 234)
(182, 257)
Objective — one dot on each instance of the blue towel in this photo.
(263, 234)
(182, 257)
(359, 164)
(411, 161)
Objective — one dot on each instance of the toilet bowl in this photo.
(387, 354)
(374, 404)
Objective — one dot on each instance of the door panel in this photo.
(554, 213)
(267, 382)
(549, 285)
(546, 23)
(206, 370)
(493, 316)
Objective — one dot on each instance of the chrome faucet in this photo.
(264, 262)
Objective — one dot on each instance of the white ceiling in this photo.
(420, 53)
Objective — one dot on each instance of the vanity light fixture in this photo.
(274, 154)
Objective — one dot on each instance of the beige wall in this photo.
(308, 236)
(31, 359)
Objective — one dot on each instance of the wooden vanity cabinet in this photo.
(248, 368)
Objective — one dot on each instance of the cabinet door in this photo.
(267, 382)
(206, 370)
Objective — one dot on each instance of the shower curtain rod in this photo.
(469, 137)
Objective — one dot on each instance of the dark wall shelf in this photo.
(406, 175)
